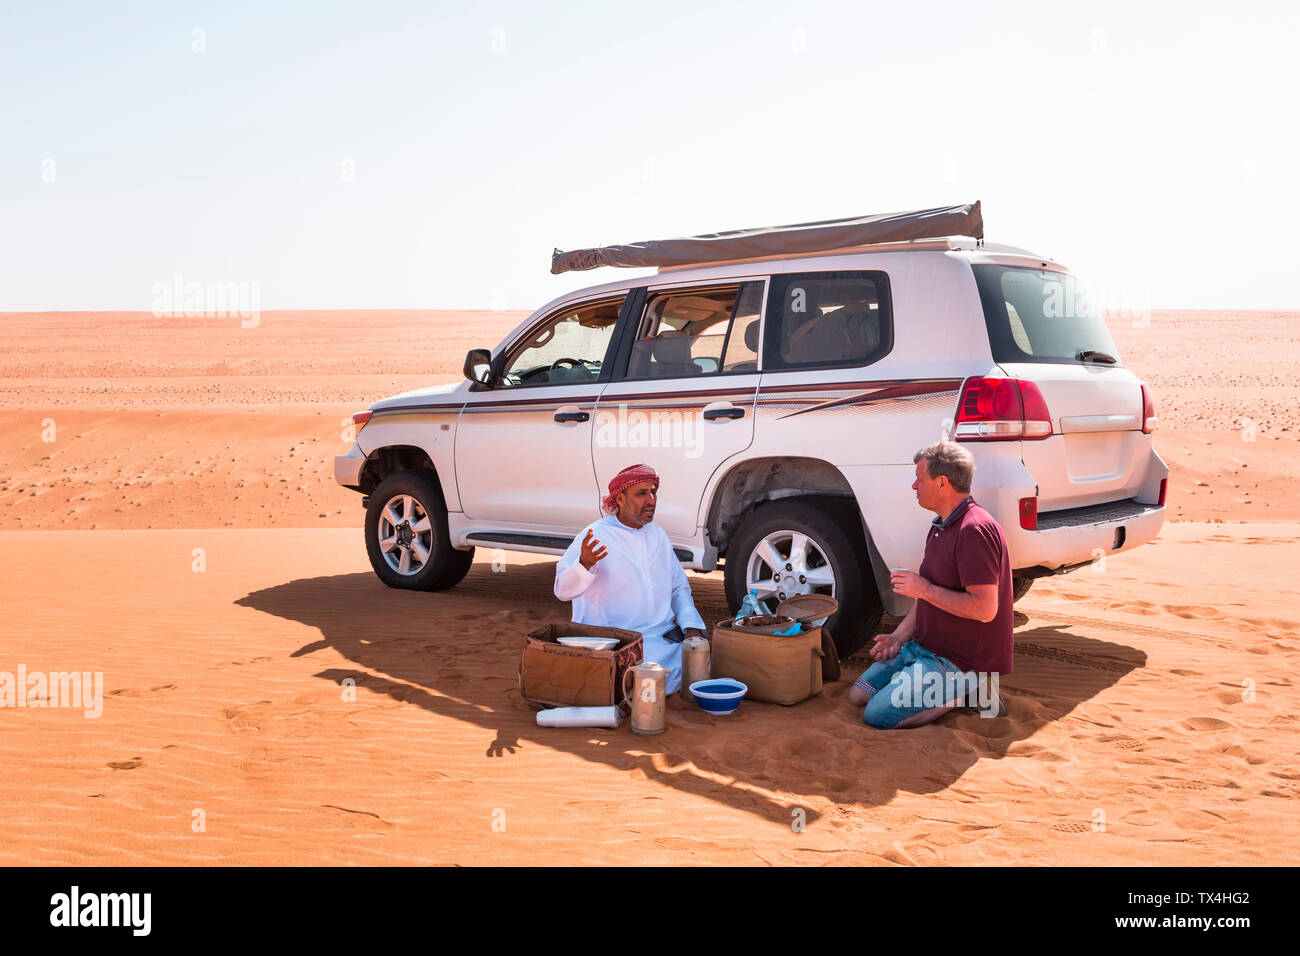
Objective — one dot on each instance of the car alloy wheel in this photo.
(405, 534)
(785, 563)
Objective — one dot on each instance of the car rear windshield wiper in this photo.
(1092, 355)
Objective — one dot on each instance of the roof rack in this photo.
(801, 239)
(910, 245)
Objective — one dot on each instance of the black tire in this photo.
(836, 530)
(1020, 587)
(445, 566)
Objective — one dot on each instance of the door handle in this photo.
(732, 412)
(571, 416)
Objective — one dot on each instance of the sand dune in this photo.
(1151, 713)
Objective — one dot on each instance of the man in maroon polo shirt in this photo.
(959, 629)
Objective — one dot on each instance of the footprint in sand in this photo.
(1072, 826)
(1034, 751)
(937, 750)
(739, 754)
(819, 748)
(136, 692)
(1197, 819)
(256, 660)
(1070, 793)
(1207, 723)
(1266, 622)
(359, 818)
(1192, 612)
(239, 721)
(127, 764)
(1138, 607)
(1142, 818)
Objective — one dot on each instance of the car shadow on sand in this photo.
(455, 653)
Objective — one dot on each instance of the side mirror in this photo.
(478, 366)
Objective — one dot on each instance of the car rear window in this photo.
(1034, 315)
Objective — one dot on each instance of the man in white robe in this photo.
(620, 571)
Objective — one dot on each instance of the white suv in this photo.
(781, 400)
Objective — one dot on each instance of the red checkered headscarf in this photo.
(629, 476)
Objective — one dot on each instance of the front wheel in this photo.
(407, 538)
(784, 548)
(1020, 587)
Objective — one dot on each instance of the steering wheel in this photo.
(572, 361)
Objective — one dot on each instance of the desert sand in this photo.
(168, 517)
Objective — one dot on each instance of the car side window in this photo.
(827, 320)
(568, 348)
(689, 332)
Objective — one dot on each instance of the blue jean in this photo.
(913, 681)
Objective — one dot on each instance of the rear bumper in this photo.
(1070, 537)
(1067, 539)
(347, 468)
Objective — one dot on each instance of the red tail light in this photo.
(360, 418)
(1001, 409)
(1163, 482)
(1029, 514)
(1148, 410)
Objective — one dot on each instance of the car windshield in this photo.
(1035, 315)
(568, 348)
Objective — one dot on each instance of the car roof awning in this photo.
(799, 239)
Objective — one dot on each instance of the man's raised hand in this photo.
(592, 550)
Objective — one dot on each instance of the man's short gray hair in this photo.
(951, 460)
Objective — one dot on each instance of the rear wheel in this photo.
(784, 548)
(406, 535)
(1020, 587)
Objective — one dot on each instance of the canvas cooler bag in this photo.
(552, 675)
(777, 669)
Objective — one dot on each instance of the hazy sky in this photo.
(429, 155)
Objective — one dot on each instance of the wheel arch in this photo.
(755, 481)
(390, 459)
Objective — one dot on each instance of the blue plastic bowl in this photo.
(718, 695)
